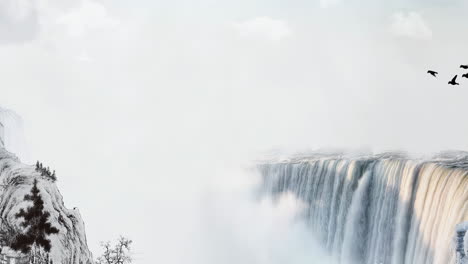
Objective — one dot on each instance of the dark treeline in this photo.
(45, 171)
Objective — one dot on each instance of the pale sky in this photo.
(138, 104)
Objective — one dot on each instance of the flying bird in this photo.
(465, 75)
(454, 81)
(464, 66)
(433, 73)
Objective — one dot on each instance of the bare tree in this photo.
(117, 254)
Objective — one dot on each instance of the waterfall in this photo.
(376, 209)
(12, 135)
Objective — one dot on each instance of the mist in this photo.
(151, 114)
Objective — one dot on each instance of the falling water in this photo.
(379, 208)
(12, 134)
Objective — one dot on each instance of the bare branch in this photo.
(117, 254)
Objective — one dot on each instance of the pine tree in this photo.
(53, 177)
(35, 223)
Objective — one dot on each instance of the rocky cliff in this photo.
(69, 246)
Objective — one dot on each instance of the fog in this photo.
(150, 111)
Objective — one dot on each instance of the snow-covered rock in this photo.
(69, 246)
(2, 129)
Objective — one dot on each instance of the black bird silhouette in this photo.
(433, 73)
(465, 75)
(464, 66)
(454, 81)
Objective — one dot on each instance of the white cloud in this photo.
(84, 57)
(410, 25)
(329, 3)
(70, 29)
(265, 27)
(16, 10)
(18, 20)
(28, 20)
(90, 15)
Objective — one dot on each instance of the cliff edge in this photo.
(69, 246)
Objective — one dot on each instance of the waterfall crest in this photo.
(375, 209)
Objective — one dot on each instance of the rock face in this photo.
(69, 246)
(1, 135)
(462, 243)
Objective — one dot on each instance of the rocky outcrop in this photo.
(1, 135)
(461, 242)
(69, 246)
